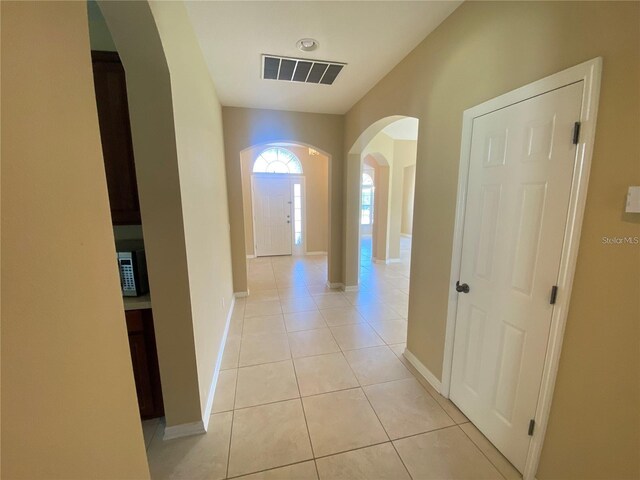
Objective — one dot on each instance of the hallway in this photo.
(314, 385)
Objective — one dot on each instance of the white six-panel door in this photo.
(519, 185)
(272, 215)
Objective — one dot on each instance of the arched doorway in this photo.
(285, 196)
(389, 148)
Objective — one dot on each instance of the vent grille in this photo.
(300, 70)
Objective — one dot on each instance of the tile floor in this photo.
(314, 386)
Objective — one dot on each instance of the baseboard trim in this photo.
(422, 370)
(335, 285)
(240, 294)
(315, 253)
(200, 427)
(387, 261)
(351, 288)
(184, 430)
(251, 256)
(216, 370)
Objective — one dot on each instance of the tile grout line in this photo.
(385, 431)
(235, 395)
(271, 469)
(304, 413)
(327, 392)
(317, 471)
(369, 324)
(319, 354)
(376, 414)
(233, 418)
(418, 378)
(481, 451)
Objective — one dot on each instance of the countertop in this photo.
(137, 303)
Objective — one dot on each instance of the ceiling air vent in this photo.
(300, 70)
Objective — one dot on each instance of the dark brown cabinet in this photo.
(144, 360)
(115, 133)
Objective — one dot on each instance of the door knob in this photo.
(462, 288)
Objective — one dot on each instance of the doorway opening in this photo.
(367, 212)
(277, 192)
(285, 189)
(385, 221)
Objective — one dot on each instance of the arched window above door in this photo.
(277, 160)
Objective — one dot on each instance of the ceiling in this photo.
(405, 129)
(370, 37)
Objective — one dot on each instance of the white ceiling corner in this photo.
(371, 37)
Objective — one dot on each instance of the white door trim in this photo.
(302, 249)
(589, 73)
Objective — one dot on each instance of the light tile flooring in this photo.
(314, 385)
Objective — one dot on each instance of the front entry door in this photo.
(520, 175)
(272, 215)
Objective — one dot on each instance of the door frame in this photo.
(292, 179)
(590, 73)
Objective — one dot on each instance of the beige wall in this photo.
(135, 33)
(243, 128)
(177, 134)
(69, 407)
(315, 170)
(381, 213)
(485, 49)
(408, 189)
(404, 154)
(203, 189)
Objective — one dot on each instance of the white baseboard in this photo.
(216, 370)
(315, 253)
(335, 285)
(351, 288)
(184, 430)
(240, 294)
(200, 427)
(424, 371)
(251, 256)
(387, 261)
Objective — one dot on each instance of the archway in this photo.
(382, 149)
(306, 187)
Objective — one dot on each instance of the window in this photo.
(366, 214)
(277, 160)
(297, 214)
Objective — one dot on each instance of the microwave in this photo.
(132, 265)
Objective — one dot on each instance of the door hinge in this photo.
(554, 295)
(532, 426)
(576, 133)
